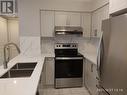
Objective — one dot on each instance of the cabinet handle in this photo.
(91, 67)
(97, 78)
(98, 86)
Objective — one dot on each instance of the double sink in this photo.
(20, 70)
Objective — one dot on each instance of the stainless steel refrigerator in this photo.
(113, 56)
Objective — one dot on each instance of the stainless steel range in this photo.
(68, 65)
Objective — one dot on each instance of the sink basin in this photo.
(20, 70)
(24, 66)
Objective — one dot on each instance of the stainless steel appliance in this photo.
(68, 30)
(68, 65)
(113, 64)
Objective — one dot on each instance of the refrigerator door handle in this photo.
(100, 57)
(98, 64)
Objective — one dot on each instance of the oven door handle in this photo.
(68, 58)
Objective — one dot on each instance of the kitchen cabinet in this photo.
(50, 19)
(117, 5)
(67, 19)
(42, 82)
(49, 62)
(86, 24)
(47, 23)
(97, 17)
(90, 77)
(43, 76)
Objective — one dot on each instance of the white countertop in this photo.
(90, 56)
(27, 86)
(22, 86)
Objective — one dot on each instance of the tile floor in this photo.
(65, 91)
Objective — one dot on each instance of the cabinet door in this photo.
(49, 71)
(74, 19)
(88, 74)
(117, 5)
(86, 24)
(61, 19)
(42, 82)
(47, 23)
(91, 81)
(67, 19)
(94, 89)
(97, 18)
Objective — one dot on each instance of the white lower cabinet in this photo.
(49, 70)
(90, 77)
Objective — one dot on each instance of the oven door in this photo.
(68, 67)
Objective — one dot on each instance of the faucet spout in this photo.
(5, 48)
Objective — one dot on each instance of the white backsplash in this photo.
(30, 46)
(47, 45)
(85, 45)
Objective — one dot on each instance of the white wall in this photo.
(3, 37)
(13, 32)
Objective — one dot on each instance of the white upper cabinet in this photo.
(47, 23)
(61, 18)
(74, 19)
(86, 24)
(67, 19)
(97, 17)
(50, 19)
(117, 5)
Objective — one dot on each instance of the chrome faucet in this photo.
(5, 47)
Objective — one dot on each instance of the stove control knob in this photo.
(74, 46)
